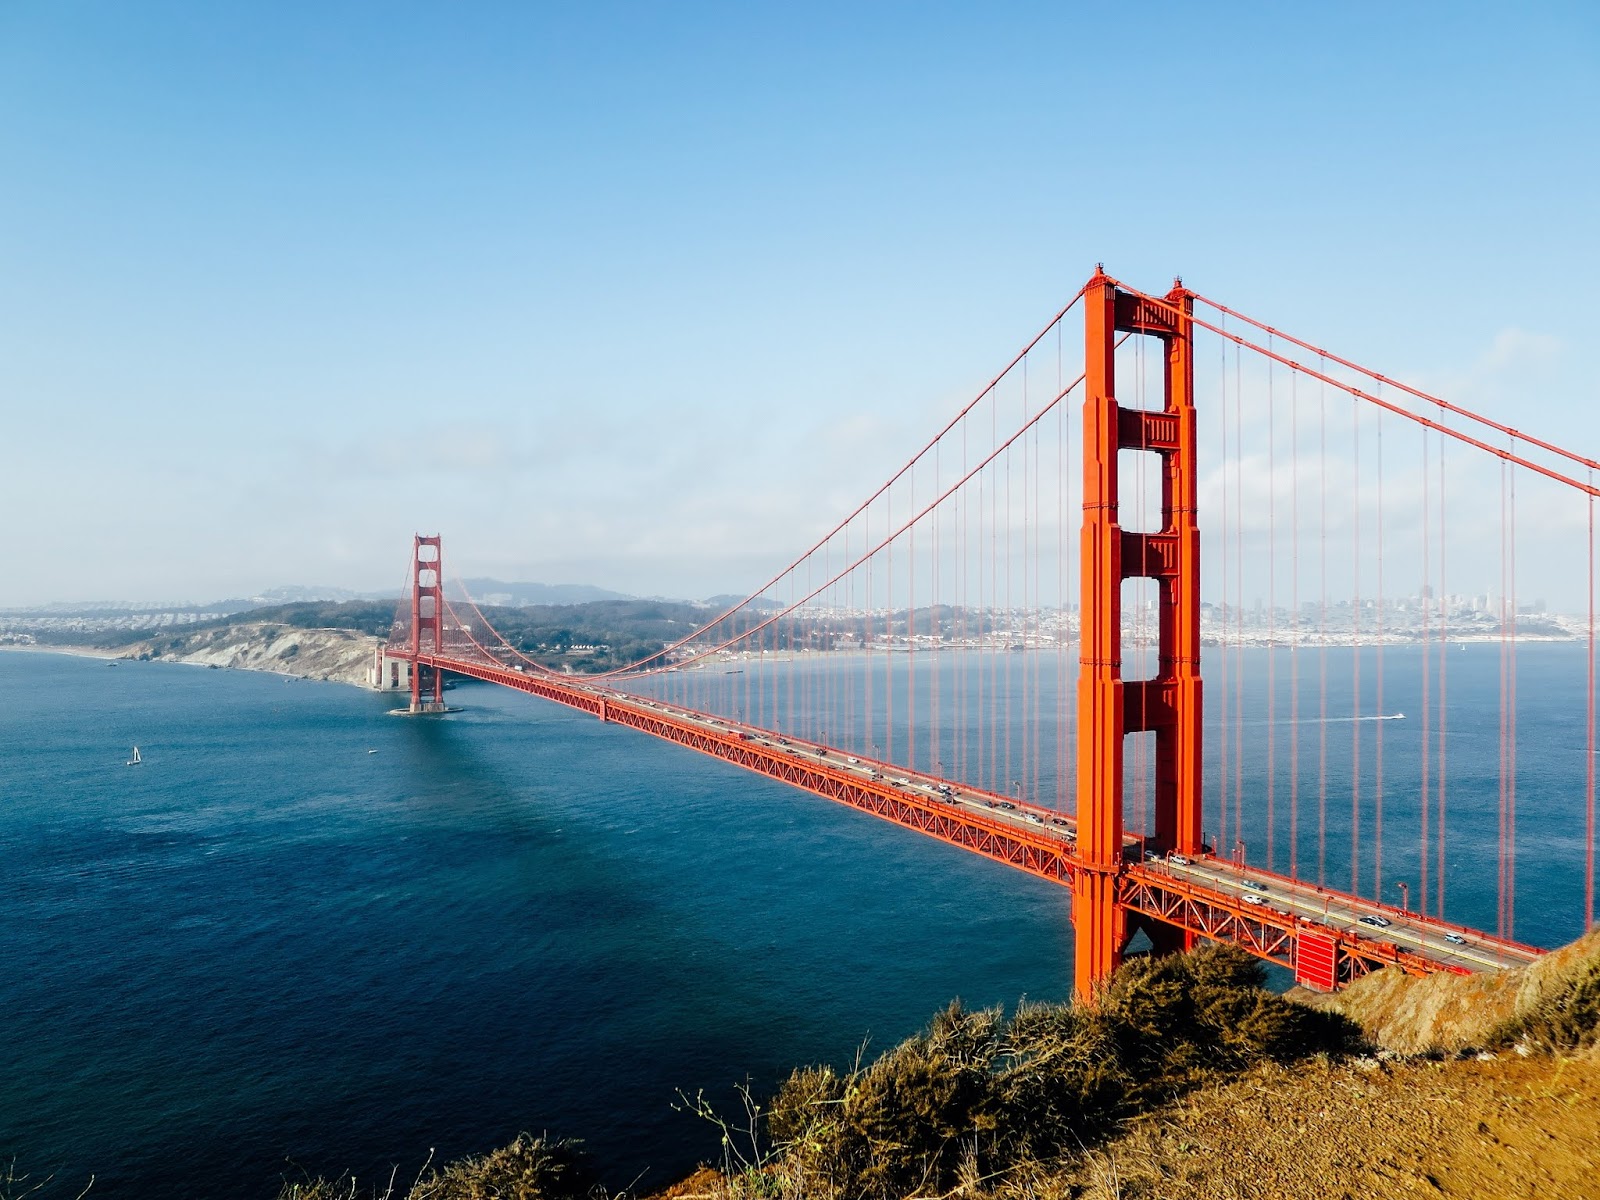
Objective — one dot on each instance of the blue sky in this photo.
(644, 295)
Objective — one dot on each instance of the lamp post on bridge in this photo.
(1405, 896)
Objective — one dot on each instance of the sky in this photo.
(647, 296)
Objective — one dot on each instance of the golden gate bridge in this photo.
(1001, 646)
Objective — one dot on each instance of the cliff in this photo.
(340, 655)
(1451, 1013)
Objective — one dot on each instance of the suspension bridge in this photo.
(1001, 647)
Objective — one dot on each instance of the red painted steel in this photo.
(427, 616)
(1316, 962)
(1168, 704)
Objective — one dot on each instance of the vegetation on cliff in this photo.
(1552, 1004)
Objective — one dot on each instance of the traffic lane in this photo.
(1341, 913)
(1042, 820)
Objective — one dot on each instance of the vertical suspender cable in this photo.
(911, 626)
(1511, 723)
(1294, 605)
(1225, 741)
(1588, 786)
(936, 628)
(1010, 616)
(1355, 651)
(1444, 659)
(1378, 710)
(1427, 668)
(888, 632)
(1238, 568)
(1272, 601)
(1322, 641)
(1500, 882)
(1023, 731)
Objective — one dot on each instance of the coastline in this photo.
(330, 655)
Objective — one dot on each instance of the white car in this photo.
(1178, 860)
(1456, 938)
(1254, 899)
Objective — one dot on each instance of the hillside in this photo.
(340, 655)
(1451, 1013)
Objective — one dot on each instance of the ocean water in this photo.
(307, 936)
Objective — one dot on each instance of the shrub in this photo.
(981, 1092)
(1566, 1017)
(530, 1168)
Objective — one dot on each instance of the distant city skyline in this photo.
(647, 298)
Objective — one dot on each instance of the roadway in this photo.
(1251, 888)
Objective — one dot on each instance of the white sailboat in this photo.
(135, 760)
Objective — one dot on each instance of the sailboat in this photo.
(135, 760)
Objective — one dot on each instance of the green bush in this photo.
(976, 1090)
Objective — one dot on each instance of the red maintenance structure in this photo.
(955, 657)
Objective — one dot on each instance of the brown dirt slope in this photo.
(1370, 1130)
(1453, 1012)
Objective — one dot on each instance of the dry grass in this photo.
(1369, 1130)
(1450, 1013)
(530, 1168)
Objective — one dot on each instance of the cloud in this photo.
(1515, 347)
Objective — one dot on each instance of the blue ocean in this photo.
(305, 936)
(308, 937)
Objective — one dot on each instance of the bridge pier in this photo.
(427, 621)
(1169, 703)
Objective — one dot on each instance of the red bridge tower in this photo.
(427, 620)
(1168, 704)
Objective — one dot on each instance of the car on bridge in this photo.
(1254, 899)
(1253, 885)
(1375, 921)
(1456, 938)
(1178, 860)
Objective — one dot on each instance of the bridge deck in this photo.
(1320, 933)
